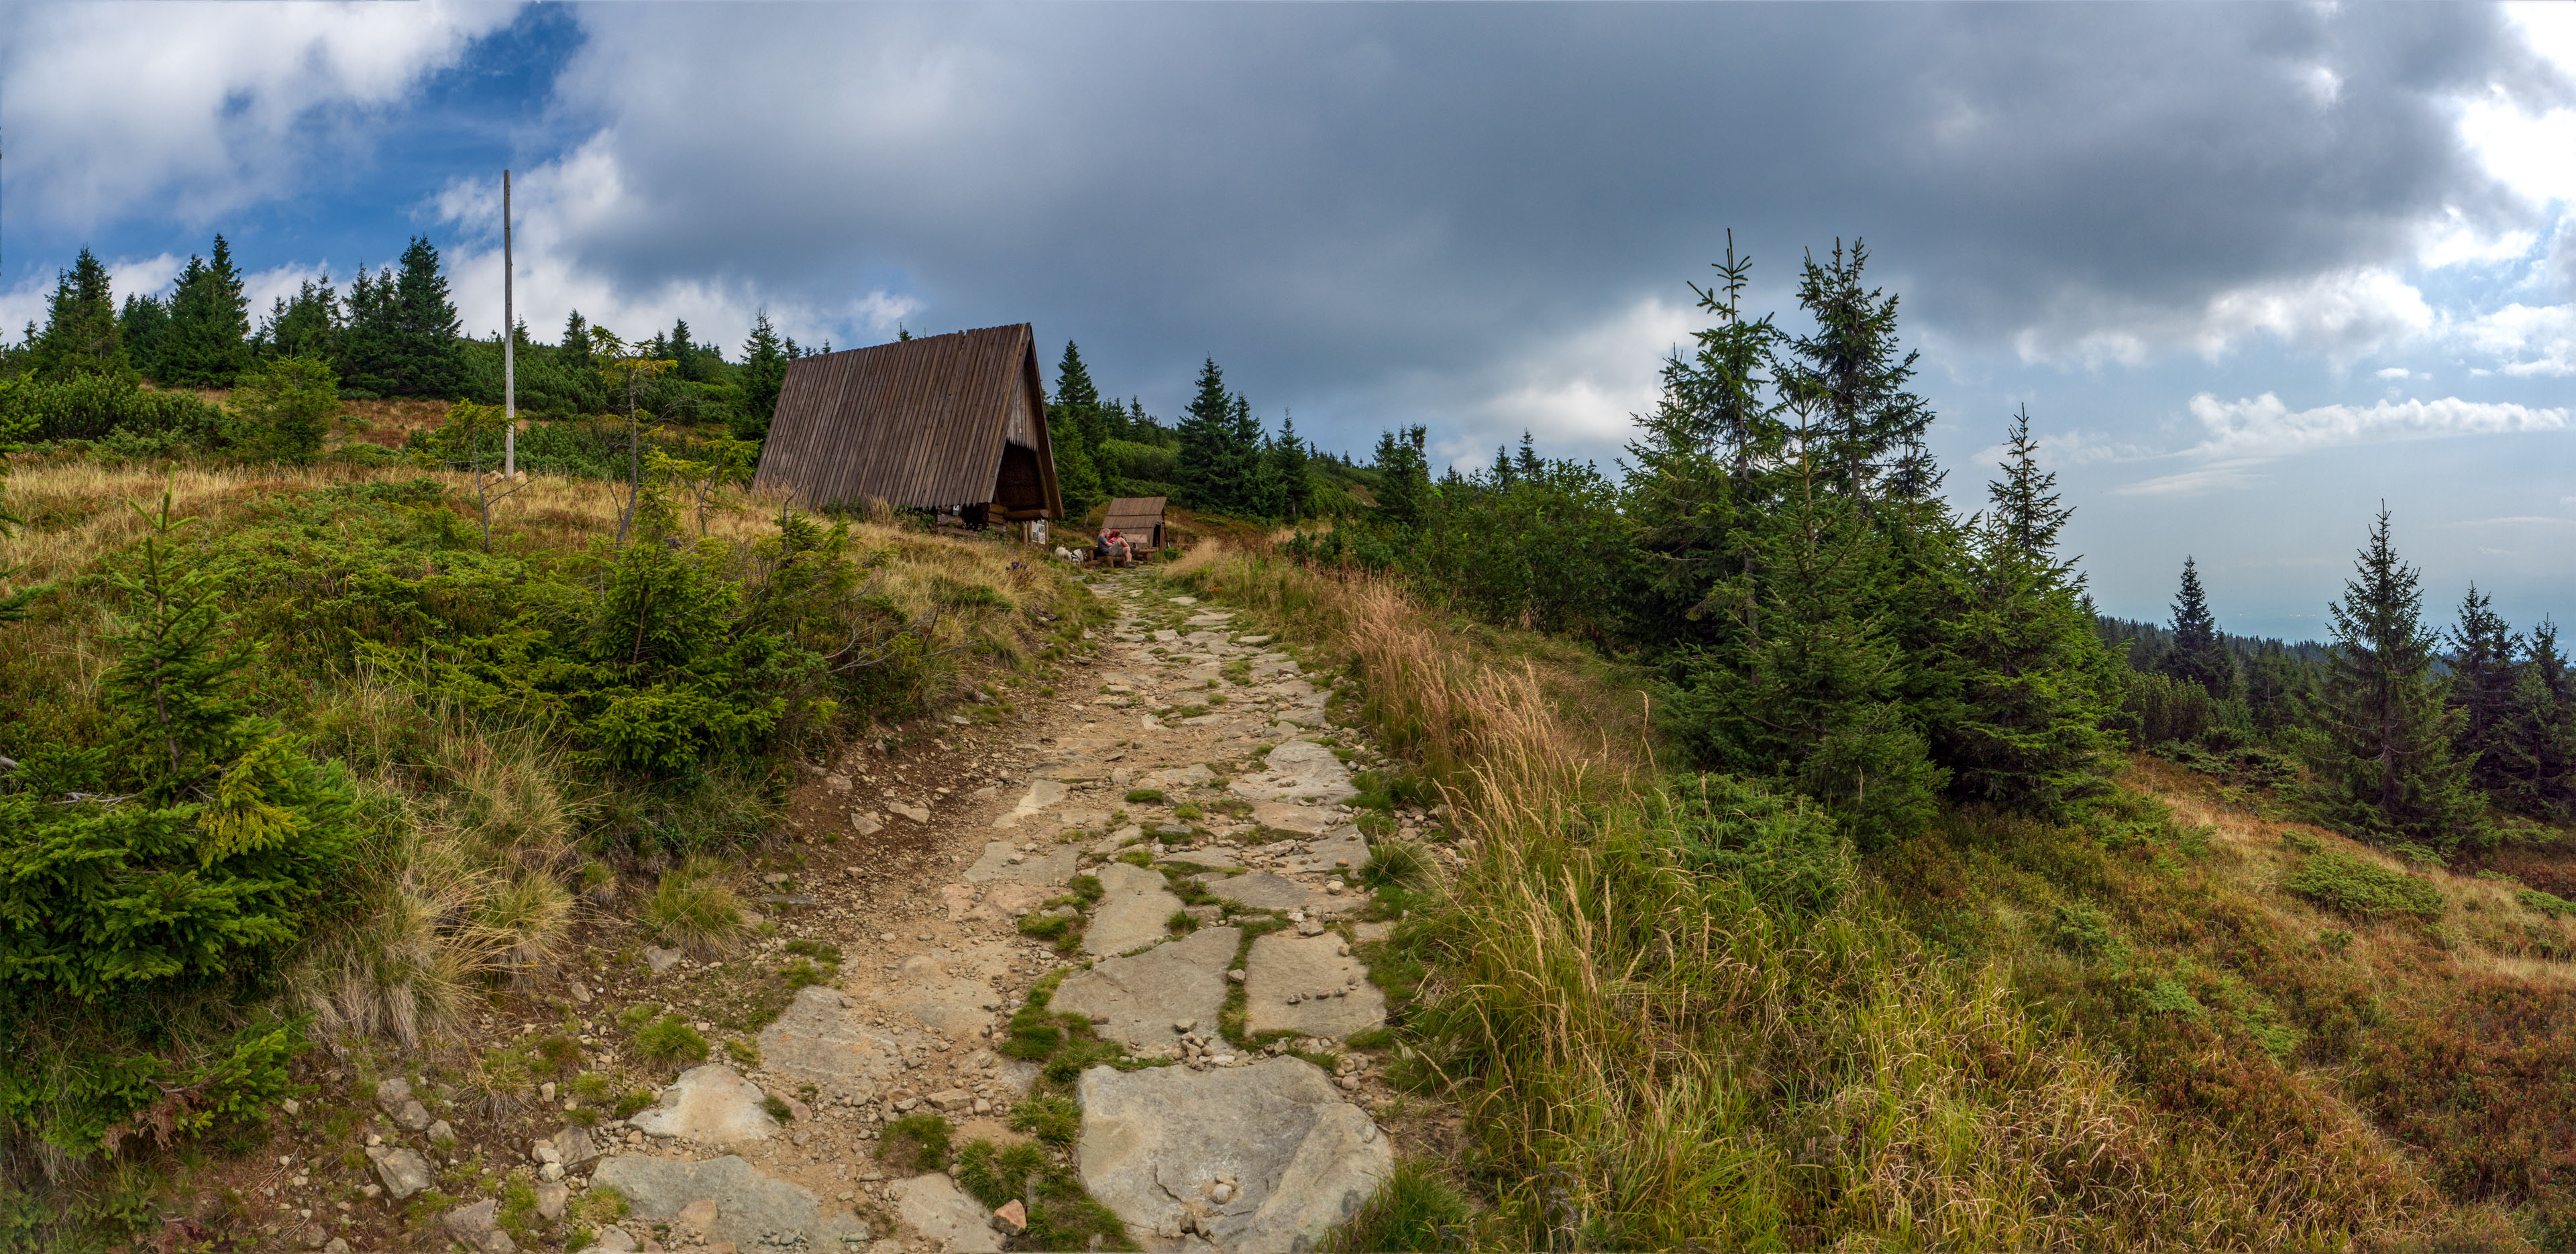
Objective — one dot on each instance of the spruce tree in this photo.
(2538, 749)
(1872, 426)
(143, 323)
(1699, 462)
(228, 832)
(2032, 696)
(2484, 676)
(1076, 427)
(2385, 767)
(81, 336)
(764, 372)
(1286, 488)
(208, 340)
(306, 326)
(1207, 458)
(683, 352)
(2198, 653)
(1404, 477)
(421, 356)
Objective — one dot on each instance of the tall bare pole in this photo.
(509, 345)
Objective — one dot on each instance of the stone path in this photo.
(1207, 1141)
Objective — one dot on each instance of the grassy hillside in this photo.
(476, 759)
(1681, 1008)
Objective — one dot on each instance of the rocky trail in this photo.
(1187, 882)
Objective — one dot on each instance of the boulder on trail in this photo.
(752, 1210)
(1136, 1000)
(1333, 997)
(819, 1041)
(1133, 909)
(1298, 1159)
(709, 1103)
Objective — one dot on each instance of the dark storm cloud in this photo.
(1324, 196)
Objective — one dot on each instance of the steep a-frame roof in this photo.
(923, 422)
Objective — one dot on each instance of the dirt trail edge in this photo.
(1187, 882)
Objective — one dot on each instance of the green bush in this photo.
(94, 407)
(290, 402)
(1788, 856)
(193, 848)
(2351, 886)
(1144, 796)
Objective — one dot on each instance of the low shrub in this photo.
(694, 908)
(2348, 885)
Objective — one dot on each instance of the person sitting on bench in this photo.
(1113, 547)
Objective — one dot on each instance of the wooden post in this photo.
(509, 346)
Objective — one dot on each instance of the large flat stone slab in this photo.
(820, 1041)
(1343, 849)
(1134, 907)
(939, 1210)
(1298, 770)
(1053, 864)
(1312, 970)
(953, 1006)
(1190, 776)
(712, 1104)
(1135, 1001)
(1289, 817)
(1041, 794)
(1259, 890)
(753, 1210)
(1156, 1141)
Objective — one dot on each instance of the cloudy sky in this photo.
(2253, 268)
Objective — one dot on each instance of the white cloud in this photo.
(2540, 341)
(2340, 315)
(561, 205)
(2244, 435)
(2396, 372)
(1581, 391)
(194, 110)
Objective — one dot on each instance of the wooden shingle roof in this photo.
(919, 422)
(1134, 511)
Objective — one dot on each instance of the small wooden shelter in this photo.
(954, 423)
(1139, 518)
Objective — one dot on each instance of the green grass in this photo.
(1144, 796)
(1048, 1117)
(670, 1039)
(693, 908)
(2348, 885)
(1400, 865)
(1414, 1208)
(916, 1143)
(1064, 1217)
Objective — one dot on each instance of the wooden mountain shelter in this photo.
(1139, 518)
(952, 423)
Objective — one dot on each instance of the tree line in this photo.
(394, 333)
(1775, 553)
